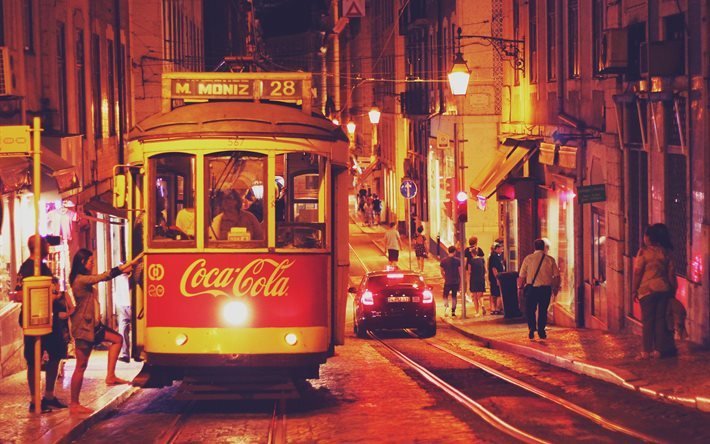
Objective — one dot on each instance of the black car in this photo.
(393, 299)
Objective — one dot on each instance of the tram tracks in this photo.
(178, 429)
(477, 392)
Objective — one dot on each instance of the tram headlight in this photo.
(291, 338)
(235, 312)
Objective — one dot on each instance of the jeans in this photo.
(124, 328)
(539, 300)
(656, 335)
(453, 289)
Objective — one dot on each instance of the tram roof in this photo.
(237, 118)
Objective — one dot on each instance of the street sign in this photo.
(591, 193)
(15, 139)
(354, 8)
(408, 189)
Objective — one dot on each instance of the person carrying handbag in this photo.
(539, 279)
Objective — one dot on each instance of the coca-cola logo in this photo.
(260, 277)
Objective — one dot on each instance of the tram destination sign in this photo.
(236, 88)
(591, 193)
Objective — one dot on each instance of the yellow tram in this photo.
(237, 196)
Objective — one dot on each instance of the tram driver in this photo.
(233, 215)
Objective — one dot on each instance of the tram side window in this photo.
(172, 203)
(300, 209)
(235, 199)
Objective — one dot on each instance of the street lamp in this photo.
(351, 127)
(374, 115)
(459, 76)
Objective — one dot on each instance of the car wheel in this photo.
(427, 332)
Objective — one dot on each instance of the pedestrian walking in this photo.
(540, 273)
(376, 208)
(496, 265)
(450, 270)
(476, 266)
(87, 328)
(393, 244)
(654, 285)
(54, 343)
(420, 247)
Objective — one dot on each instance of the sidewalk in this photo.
(20, 426)
(598, 354)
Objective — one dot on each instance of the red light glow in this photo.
(367, 298)
(428, 297)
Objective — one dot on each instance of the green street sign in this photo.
(591, 193)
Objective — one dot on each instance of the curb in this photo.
(71, 429)
(620, 377)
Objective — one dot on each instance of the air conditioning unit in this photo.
(614, 52)
(664, 58)
(5, 72)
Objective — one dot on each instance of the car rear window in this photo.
(379, 282)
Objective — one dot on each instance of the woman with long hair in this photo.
(86, 327)
(420, 247)
(654, 284)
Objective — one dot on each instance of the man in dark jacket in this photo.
(450, 270)
(53, 343)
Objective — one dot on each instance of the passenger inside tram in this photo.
(234, 222)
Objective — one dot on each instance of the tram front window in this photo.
(172, 203)
(300, 204)
(235, 199)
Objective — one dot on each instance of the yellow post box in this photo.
(37, 305)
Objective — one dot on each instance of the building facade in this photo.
(616, 94)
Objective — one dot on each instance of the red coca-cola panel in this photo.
(191, 290)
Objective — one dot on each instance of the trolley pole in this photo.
(36, 189)
(409, 230)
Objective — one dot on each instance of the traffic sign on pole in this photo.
(408, 188)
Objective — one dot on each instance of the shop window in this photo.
(673, 131)
(638, 190)
(235, 199)
(300, 206)
(599, 302)
(172, 202)
(677, 209)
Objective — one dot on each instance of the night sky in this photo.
(284, 17)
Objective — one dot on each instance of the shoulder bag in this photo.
(527, 290)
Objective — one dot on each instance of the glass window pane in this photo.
(172, 208)
(235, 199)
(300, 211)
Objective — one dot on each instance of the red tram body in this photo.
(225, 295)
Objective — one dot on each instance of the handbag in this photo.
(527, 290)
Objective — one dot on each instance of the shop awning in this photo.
(103, 203)
(367, 171)
(508, 156)
(14, 171)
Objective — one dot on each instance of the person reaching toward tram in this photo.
(87, 328)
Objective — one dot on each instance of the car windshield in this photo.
(379, 282)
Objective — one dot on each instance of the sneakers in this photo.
(453, 314)
(542, 334)
(56, 403)
(43, 405)
(531, 335)
(125, 359)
